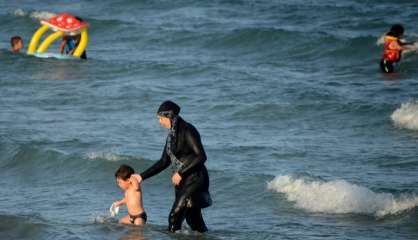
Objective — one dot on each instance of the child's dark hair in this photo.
(396, 30)
(14, 40)
(124, 172)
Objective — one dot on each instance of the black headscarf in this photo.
(168, 109)
(171, 110)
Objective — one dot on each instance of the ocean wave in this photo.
(12, 226)
(406, 116)
(112, 157)
(255, 39)
(39, 15)
(340, 197)
(405, 163)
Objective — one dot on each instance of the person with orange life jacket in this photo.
(393, 48)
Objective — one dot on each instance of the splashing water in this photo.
(380, 40)
(39, 15)
(406, 116)
(340, 196)
(112, 157)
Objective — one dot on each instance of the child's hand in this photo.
(176, 179)
(133, 180)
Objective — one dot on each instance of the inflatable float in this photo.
(62, 24)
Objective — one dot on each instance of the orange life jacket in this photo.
(388, 53)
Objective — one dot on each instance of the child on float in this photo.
(394, 47)
(70, 43)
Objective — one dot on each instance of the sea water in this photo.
(305, 137)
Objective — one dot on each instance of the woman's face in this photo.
(165, 122)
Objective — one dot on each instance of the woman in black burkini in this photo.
(184, 151)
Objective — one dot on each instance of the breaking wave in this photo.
(340, 197)
(406, 116)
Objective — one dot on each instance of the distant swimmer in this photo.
(132, 198)
(16, 43)
(184, 152)
(72, 30)
(393, 48)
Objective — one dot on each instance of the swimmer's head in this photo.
(122, 175)
(16, 43)
(397, 30)
(168, 111)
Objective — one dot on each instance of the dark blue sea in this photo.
(305, 137)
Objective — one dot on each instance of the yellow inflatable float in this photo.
(62, 24)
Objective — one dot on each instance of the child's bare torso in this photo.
(133, 198)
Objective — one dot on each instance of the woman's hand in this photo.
(134, 181)
(176, 179)
(137, 177)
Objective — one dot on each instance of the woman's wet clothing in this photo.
(185, 153)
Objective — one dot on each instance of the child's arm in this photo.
(62, 46)
(409, 47)
(402, 47)
(120, 202)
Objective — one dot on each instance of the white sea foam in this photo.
(39, 15)
(19, 13)
(338, 197)
(106, 156)
(100, 219)
(406, 116)
(103, 218)
(380, 40)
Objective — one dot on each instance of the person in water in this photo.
(394, 46)
(70, 43)
(16, 43)
(67, 45)
(184, 152)
(132, 198)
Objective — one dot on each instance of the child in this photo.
(393, 48)
(70, 43)
(133, 197)
(17, 44)
(67, 45)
